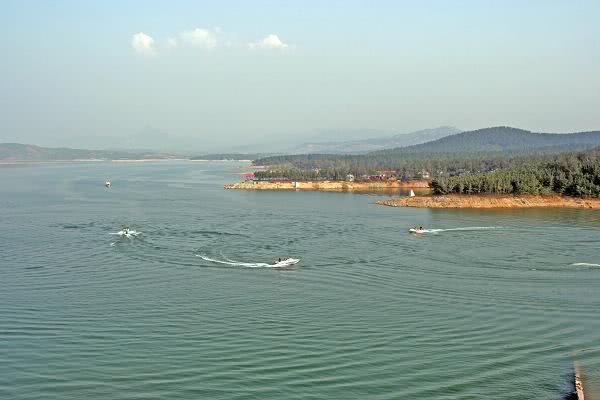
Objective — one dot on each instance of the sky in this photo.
(207, 76)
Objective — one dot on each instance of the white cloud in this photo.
(199, 37)
(143, 44)
(211, 38)
(272, 41)
(171, 43)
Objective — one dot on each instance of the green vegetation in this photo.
(572, 174)
(490, 143)
(494, 160)
(568, 174)
(27, 152)
(505, 139)
(410, 166)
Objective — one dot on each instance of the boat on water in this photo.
(107, 184)
(417, 230)
(411, 194)
(285, 262)
(126, 232)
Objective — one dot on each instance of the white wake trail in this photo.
(283, 263)
(466, 228)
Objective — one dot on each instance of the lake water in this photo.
(496, 305)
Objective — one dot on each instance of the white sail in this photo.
(411, 194)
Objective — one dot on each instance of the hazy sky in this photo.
(210, 74)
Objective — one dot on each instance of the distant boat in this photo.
(411, 194)
(107, 184)
(126, 232)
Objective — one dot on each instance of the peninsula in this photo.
(493, 201)
(499, 167)
(331, 185)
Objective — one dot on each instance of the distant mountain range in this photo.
(438, 140)
(502, 138)
(373, 144)
(28, 152)
(479, 144)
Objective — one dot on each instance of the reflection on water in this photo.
(555, 216)
(391, 192)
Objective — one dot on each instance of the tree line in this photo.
(568, 174)
(574, 174)
(408, 166)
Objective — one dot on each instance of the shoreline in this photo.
(329, 186)
(224, 161)
(493, 201)
(87, 160)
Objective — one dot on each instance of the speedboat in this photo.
(285, 262)
(126, 232)
(417, 230)
(107, 184)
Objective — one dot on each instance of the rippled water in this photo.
(498, 308)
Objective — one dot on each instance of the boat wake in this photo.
(585, 264)
(283, 263)
(467, 228)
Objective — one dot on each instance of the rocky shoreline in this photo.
(493, 201)
(333, 186)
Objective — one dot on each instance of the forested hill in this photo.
(28, 152)
(482, 143)
(502, 139)
(571, 174)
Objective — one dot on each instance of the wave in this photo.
(284, 263)
(75, 226)
(217, 233)
(583, 264)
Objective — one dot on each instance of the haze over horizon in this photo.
(206, 77)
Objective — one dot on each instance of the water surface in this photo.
(490, 306)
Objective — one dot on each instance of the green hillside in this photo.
(28, 152)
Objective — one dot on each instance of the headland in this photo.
(493, 201)
(330, 186)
